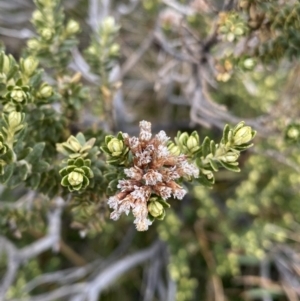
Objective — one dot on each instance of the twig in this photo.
(210, 261)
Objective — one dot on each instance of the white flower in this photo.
(190, 169)
(133, 142)
(162, 151)
(113, 202)
(152, 177)
(133, 173)
(125, 185)
(165, 192)
(141, 193)
(144, 157)
(145, 132)
(115, 215)
(162, 137)
(179, 193)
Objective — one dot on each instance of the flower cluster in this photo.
(154, 171)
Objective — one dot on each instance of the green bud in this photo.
(92, 50)
(75, 178)
(29, 65)
(33, 44)
(182, 139)
(243, 135)
(115, 146)
(114, 50)
(156, 209)
(109, 25)
(249, 63)
(230, 157)
(14, 119)
(72, 27)
(45, 91)
(18, 95)
(192, 143)
(47, 33)
(37, 16)
(174, 149)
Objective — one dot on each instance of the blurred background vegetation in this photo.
(183, 65)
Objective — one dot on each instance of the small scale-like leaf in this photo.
(8, 171)
(212, 147)
(206, 147)
(225, 134)
(81, 139)
(213, 165)
(230, 166)
(36, 153)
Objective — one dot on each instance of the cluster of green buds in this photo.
(157, 208)
(13, 124)
(187, 144)
(22, 83)
(103, 51)
(116, 149)
(49, 22)
(8, 70)
(232, 25)
(76, 174)
(239, 137)
(28, 65)
(18, 94)
(211, 156)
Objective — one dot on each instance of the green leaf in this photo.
(24, 153)
(212, 147)
(206, 147)
(213, 164)
(35, 180)
(225, 133)
(36, 153)
(230, 166)
(80, 137)
(13, 70)
(7, 173)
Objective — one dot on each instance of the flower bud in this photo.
(45, 91)
(115, 146)
(14, 119)
(29, 65)
(114, 50)
(33, 44)
(192, 143)
(230, 157)
(18, 94)
(243, 135)
(109, 25)
(75, 178)
(182, 139)
(174, 149)
(37, 16)
(72, 27)
(47, 33)
(156, 209)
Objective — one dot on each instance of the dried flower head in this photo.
(154, 172)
